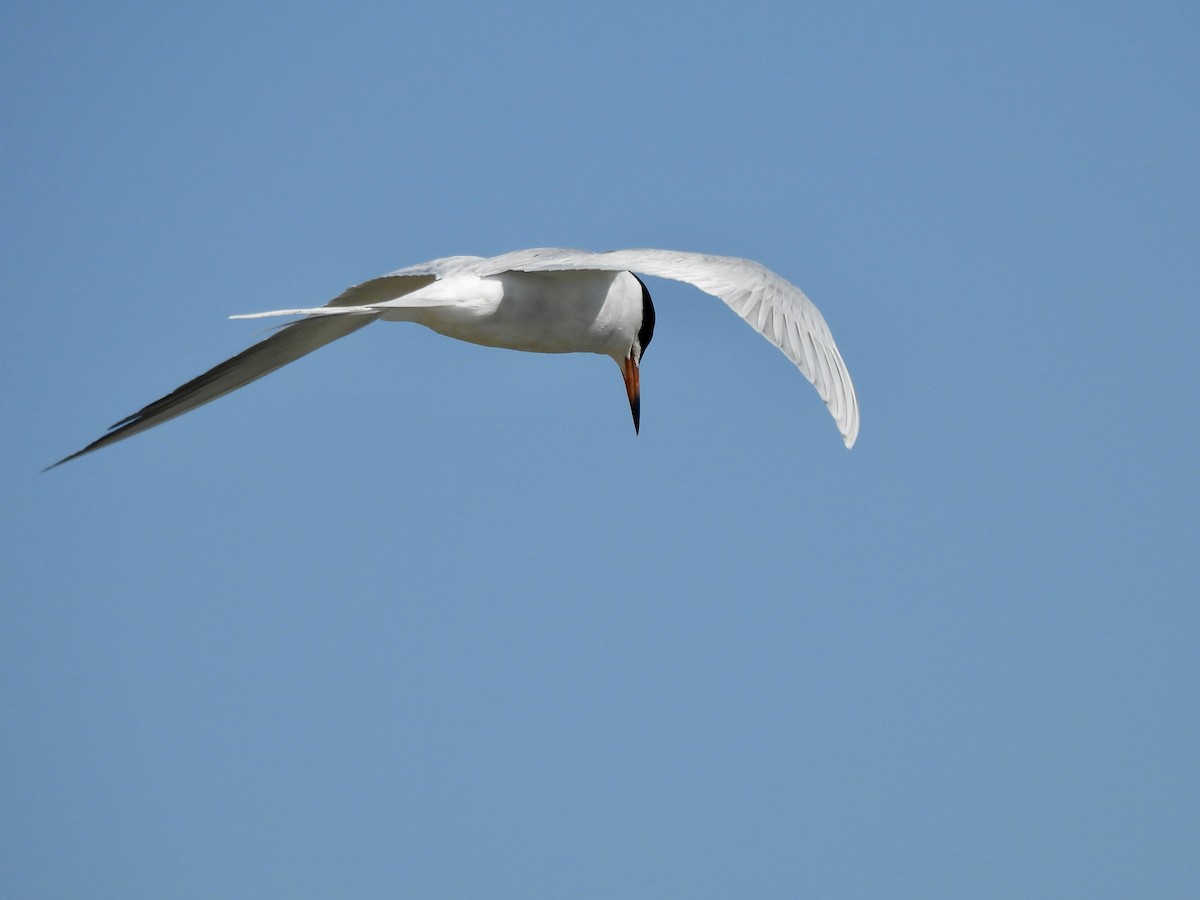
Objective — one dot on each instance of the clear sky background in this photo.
(414, 618)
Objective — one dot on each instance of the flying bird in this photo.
(542, 301)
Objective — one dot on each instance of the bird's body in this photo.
(543, 301)
(530, 311)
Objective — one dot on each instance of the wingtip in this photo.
(88, 449)
(102, 441)
(850, 435)
(848, 427)
(55, 465)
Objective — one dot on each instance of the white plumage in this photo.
(545, 300)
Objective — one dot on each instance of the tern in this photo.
(542, 301)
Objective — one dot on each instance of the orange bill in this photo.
(633, 387)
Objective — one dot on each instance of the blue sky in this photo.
(418, 618)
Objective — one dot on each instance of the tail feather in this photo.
(312, 312)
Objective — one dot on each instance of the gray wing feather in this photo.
(287, 345)
(438, 267)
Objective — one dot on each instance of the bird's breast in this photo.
(541, 312)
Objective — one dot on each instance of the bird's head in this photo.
(632, 361)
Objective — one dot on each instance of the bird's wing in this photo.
(447, 265)
(392, 286)
(287, 345)
(776, 308)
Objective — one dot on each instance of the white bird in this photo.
(543, 301)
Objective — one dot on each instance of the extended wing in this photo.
(287, 345)
(776, 308)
